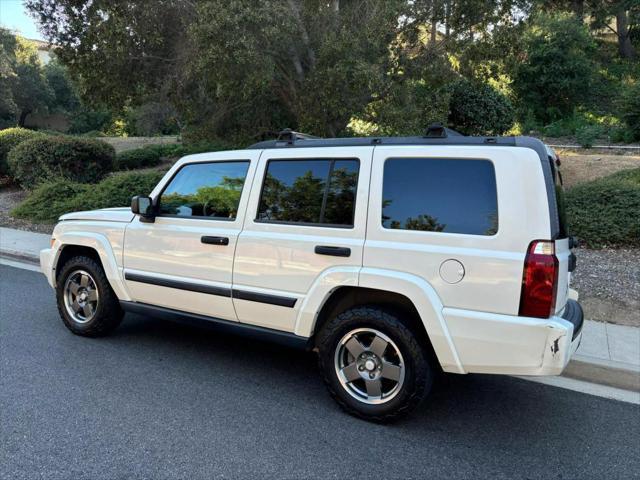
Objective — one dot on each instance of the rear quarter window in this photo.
(440, 195)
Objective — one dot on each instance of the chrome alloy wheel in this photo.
(80, 296)
(369, 366)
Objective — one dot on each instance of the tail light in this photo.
(539, 280)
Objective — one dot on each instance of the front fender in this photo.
(101, 245)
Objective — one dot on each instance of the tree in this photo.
(8, 107)
(555, 72)
(31, 92)
(227, 66)
(627, 21)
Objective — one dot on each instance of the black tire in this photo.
(108, 313)
(418, 376)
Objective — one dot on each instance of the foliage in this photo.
(138, 158)
(8, 107)
(152, 118)
(603, 212)
(556, 73)
(73, 158)
(31, 92)
(631, 110)
(586, 136)
(478, 109)
(151, 155)
(57, 197)
(238, 70)
(10, 138)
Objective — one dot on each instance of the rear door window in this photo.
(440, 195)
(320, 192)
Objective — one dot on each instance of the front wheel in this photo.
(373, 364)
(86, 302)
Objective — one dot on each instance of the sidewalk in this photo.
(21, 245)
(608, 355)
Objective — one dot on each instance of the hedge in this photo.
(54, 198)
(606, 211)
(77, 159)
(10, 138)
(138, 158)
(152, 155)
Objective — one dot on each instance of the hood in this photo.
(123, 215)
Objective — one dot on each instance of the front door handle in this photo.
(215, 240)
(334, 251)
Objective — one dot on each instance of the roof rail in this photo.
(290, 136)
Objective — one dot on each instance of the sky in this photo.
(13, 16)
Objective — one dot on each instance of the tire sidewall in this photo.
(418, 375)
(90, 266)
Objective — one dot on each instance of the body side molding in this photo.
(278, 300)
(226, 326)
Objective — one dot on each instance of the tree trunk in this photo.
(447, 19)
(23, 117)
(577, 6)
(625, 46)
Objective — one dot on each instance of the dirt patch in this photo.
(578, 167)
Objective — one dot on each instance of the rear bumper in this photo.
(504, 344)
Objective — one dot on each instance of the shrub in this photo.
(586, 136)
(77, 159)
(478, 109)
(631, 110)
(151, 155)
(117, 190)
(604, 212)
(10, 138)
(138, 158)
(51, 199)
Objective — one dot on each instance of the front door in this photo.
(184, 260)
(306, 217)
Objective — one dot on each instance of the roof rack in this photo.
(289, 136)
(437, 130)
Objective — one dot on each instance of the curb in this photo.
(604, 372)
(20, 256)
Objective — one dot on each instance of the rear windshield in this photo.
(559, 189)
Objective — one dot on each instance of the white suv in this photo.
(393, 258)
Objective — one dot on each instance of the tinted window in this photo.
(205, 190)
(317, 191)
(438, 195)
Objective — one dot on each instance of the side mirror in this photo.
(143, 206)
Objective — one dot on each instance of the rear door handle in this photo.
(214, 240)
(334, 251)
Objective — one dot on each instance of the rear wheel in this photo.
(373, 364)
(86, 302)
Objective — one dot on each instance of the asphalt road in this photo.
(161, 400)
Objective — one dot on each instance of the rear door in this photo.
(306, 216)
